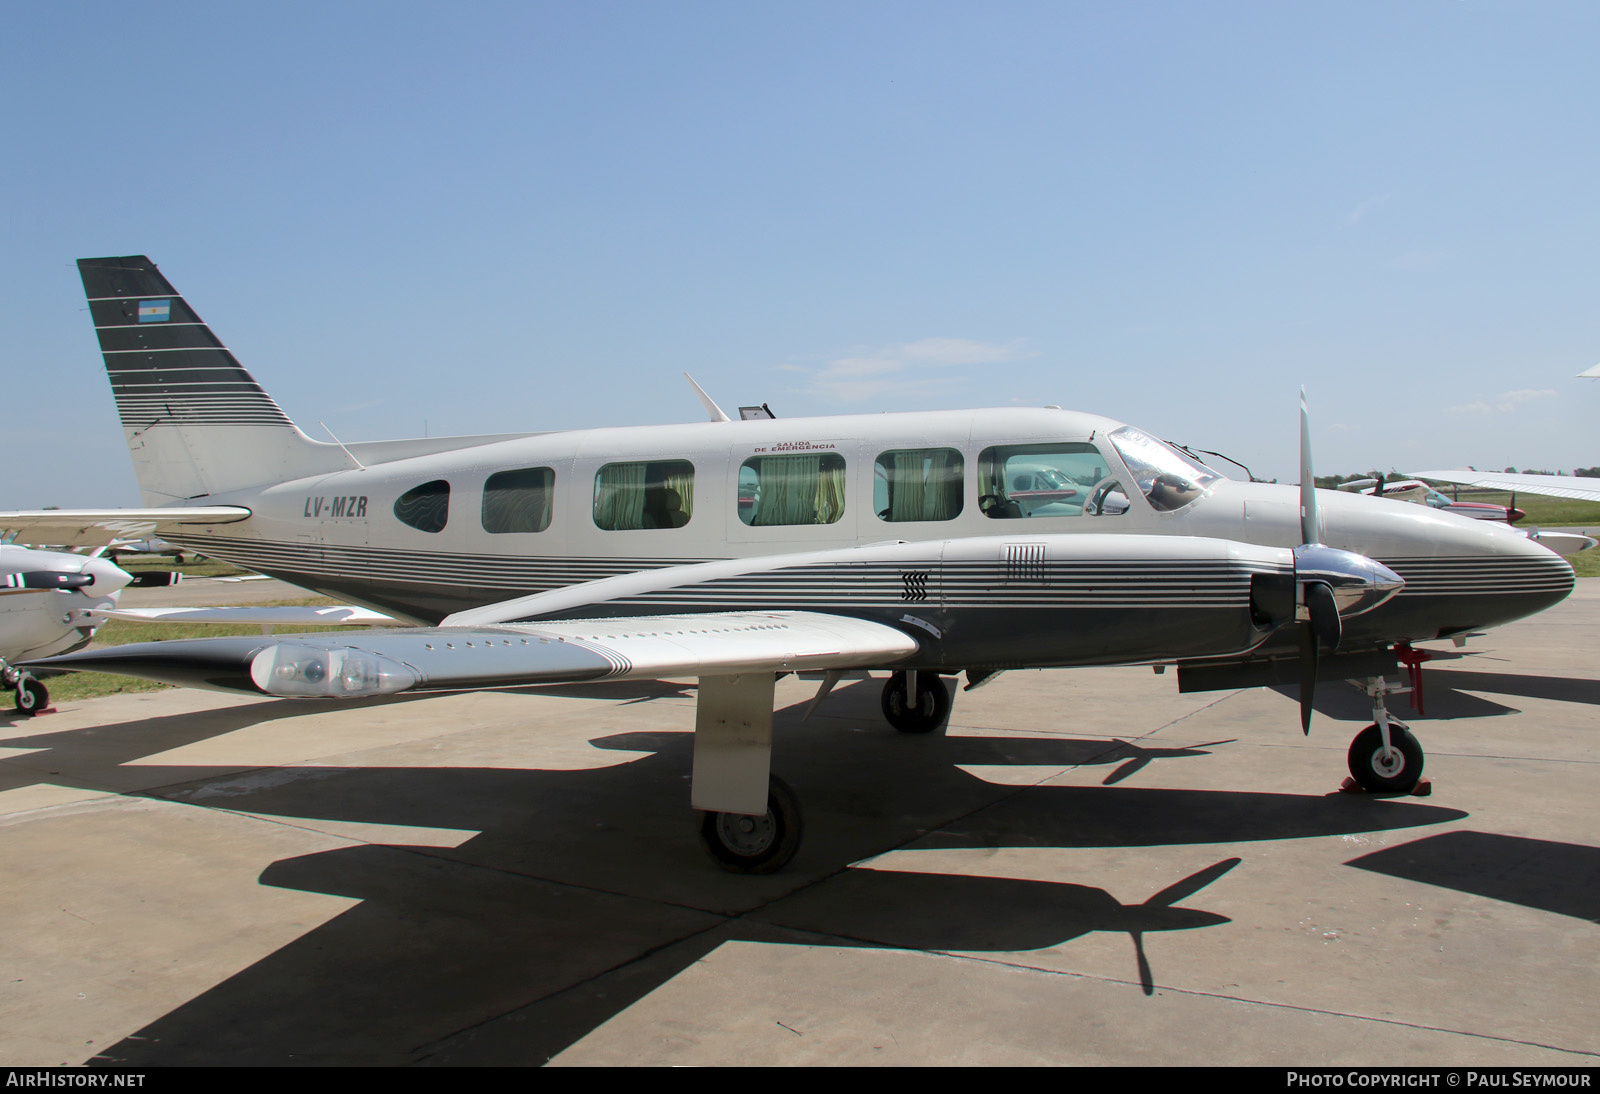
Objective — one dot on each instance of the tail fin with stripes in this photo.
(197, 423)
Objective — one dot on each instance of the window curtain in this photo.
(619, 496)
(681, 479)
(909, 486)
(799, 490)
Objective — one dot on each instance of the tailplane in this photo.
(197, 423)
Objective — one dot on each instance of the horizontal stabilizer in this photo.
(100, 527)
(1562, 543)
(284, 616)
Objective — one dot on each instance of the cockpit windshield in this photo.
(1169, 478)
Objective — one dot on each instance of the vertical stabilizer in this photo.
(197, 423)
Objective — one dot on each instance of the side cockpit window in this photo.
(1041, 480)
(518, 501)
(425, 508)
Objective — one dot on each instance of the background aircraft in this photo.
(735, 550)
(52, 602)
(1420, 493)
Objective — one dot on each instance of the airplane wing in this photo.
(99, 527)
(1555, 486)
(283, 616)
(349, 665)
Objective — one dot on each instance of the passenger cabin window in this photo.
(426, 507)
(657, 494)
(518, 501)
(917, 484)
(1064, 479)
(806, 488)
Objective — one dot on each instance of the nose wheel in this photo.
(31, 695)
(1392, 770)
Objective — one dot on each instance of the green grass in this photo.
(1586, 563)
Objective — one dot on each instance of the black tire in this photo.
(1400, 774)
(742, 844)
(32, 697)
(933, 703)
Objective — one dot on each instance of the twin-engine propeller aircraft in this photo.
(1420, 493)
(925, 544)
(53, 602)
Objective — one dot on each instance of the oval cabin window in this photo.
(425, 507)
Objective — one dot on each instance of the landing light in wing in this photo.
(298, 671)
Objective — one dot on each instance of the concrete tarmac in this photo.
(1087, 868)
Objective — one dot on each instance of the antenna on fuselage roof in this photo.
(347, 452)
(706, 401)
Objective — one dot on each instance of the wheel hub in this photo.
(1388, 766)
(746, 835)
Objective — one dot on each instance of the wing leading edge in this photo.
(1554, 486)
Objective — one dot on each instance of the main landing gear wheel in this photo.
(31, 696)
(932, 706)
(745, 844)
(1397, 773)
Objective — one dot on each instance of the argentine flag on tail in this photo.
(154, 311)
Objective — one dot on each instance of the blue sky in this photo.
(489, 217)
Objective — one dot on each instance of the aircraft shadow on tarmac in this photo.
(71, 757)
(1551, 876)
(1448, 693)
(582, 891)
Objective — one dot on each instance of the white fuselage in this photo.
(341, 533)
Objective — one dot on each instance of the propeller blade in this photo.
(48, 579)
(1308, 675)
(155, 579)
(1324, 612)
(1322, 627)
(1308, 482)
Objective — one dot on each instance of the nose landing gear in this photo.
(31, 694)
(1385, 758)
